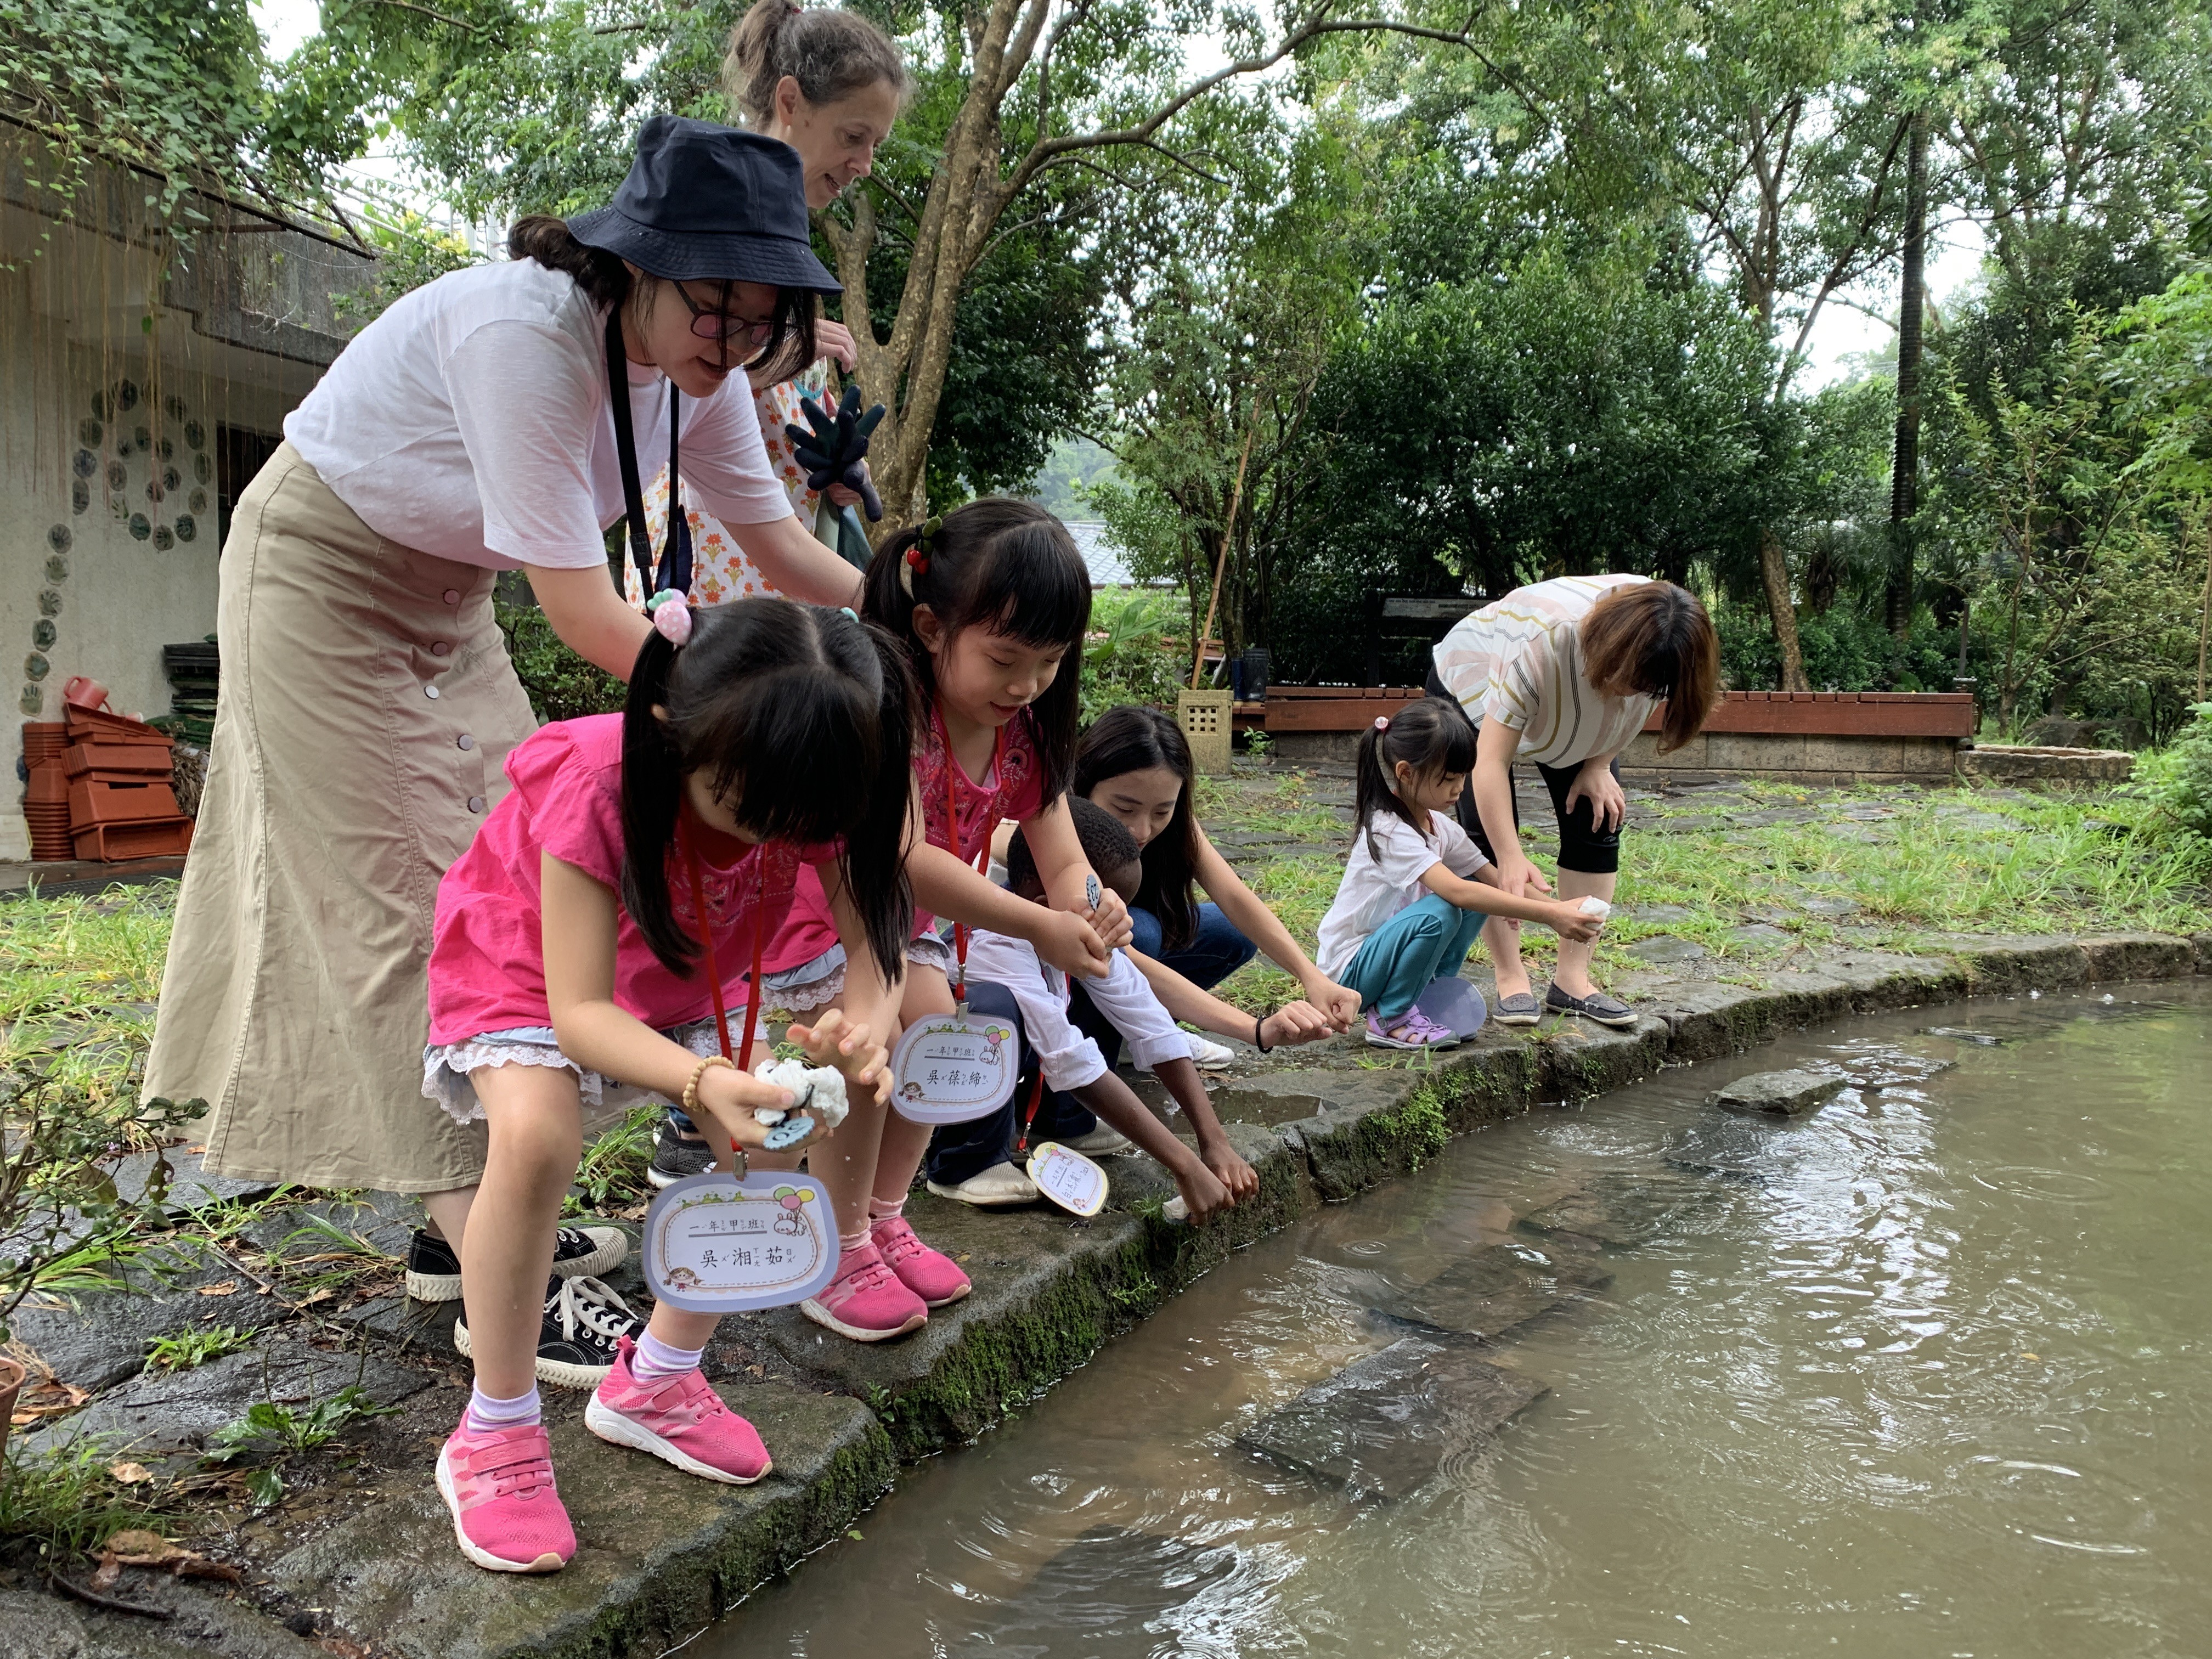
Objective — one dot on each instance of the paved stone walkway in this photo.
(360, 1557)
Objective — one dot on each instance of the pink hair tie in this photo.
(672, 616)
(1381, 722)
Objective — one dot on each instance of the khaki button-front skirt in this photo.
(366, 709)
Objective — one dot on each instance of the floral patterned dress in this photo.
(720, 572)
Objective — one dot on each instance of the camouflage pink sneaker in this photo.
(866, 1301)
(930, 1274)
(680, 1419)
(499, 1486)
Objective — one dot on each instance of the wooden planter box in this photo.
(1812, 736)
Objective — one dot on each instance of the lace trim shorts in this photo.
(811, 984)
(445, 1068)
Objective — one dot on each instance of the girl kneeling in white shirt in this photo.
(1415, 890)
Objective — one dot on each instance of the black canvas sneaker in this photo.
(675, 1158)
(583, 1321)
(434, 1272)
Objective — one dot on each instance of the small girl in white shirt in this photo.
(1415, 889)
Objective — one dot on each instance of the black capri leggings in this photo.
(1583, 847)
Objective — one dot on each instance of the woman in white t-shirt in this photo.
(367, 701)
(1563, 674)
(829, 84)
(1415, 890)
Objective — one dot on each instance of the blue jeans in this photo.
(1216, 950)
(1429, 939)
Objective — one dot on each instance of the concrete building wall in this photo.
(122, 371)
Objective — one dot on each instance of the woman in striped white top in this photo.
(1563, 674)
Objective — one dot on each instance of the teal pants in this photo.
(1427, 940)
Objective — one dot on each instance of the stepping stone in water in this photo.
(1731, 1149)
(1876, 1065)
(1105, 1587)
(1620, 1207)
(1493, 1290)
(1778, 1094)
(1979, 1039)
(1381, 1426)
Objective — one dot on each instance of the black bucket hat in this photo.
(710, 204)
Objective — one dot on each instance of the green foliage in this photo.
(172, 87)
(409, 252)
(561, 685)
(60, 1213)
(61, 1504)
(1846, 648)
(1129, 658)
(187, 1350)
(273, 1431)
(611, 1172)
(2182, 787)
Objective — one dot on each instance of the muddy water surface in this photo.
(1922, 1374)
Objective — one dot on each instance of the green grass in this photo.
(187, 1350)
(78, 977)
(60, 1504)
(2081, 861)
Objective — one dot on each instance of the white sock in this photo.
(485, 1414)
(848, 1242)
(886, 1209)
(654, 1360)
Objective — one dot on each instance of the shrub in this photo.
(1128, 657)
(560, 683)
(2181, 783)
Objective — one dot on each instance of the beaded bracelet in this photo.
(1259, 1022)
(691, 1089)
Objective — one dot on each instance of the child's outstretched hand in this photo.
(1242, 1180)
(1080, 893)
(1070, 944)
(834, 1040)
(1568, 921)
(1295, 1022)
(730, 1097)
(1204, 1195)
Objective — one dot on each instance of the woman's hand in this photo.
(834, 1040)
(1517, 874)
(1568, 921)
(1597, 784)
(730, 1096)
(1297, 1022)
(835, 340)
(842, 496)
(1338, 1003)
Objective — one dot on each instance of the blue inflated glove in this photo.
(832, 446)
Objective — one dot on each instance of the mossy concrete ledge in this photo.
(663, 1555)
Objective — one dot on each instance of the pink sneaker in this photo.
(930, 1274)
(499, 1486)
(680, 1419)
(866, 1301)
(1411, 1030)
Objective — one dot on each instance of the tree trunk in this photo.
(1904, 463)
(1774, 575)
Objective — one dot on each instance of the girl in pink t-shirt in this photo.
(568, 951)
(991, 602)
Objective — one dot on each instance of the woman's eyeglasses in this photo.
(713, 323)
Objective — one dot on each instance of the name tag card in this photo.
(1067, 1178)
(950, 1068)
(714, 1244)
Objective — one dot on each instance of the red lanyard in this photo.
(744, 1057)
(1029, 1118)
(952, 827)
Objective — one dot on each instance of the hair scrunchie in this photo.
(1381, 722)
(672, 616)
(916, 561)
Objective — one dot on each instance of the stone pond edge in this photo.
(1357, 1129)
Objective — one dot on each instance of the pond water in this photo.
(1924, 1373)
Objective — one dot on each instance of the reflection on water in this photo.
(1923, 1374)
